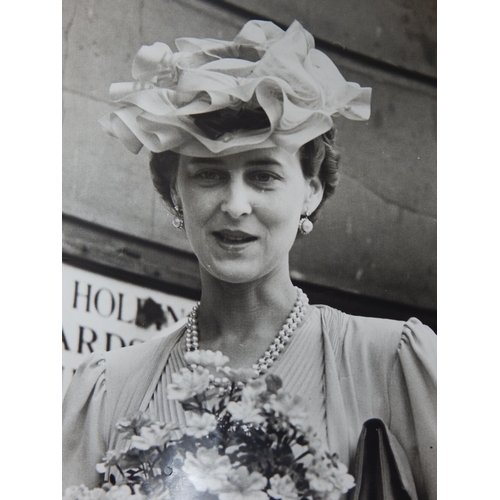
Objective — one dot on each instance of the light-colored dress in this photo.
(348, 368)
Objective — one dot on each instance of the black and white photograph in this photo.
(249, 250)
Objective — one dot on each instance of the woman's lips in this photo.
(233, 238)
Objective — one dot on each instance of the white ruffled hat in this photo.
(267, 87)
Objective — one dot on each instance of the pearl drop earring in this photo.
(178, 221)
(305, 225)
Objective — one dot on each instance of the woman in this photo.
(243, 151)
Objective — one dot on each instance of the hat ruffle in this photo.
(270, 86)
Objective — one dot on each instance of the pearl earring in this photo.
(178, 221)
(305, 225)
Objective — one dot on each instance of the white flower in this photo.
(76, 493)
(111, 458)
(192, 357)
(238, 374)
(206, 358)
(245, 410)
(315, 444)
(327, 475)
(318, 483)
(200, 425)
(208, 470)
(290, 406)
(333, 495)
(156, 434)
(345, 482)
(121, 493)
(254, 388)
(99, 494)
(340, 477)
(282, 488)
(319, 475)
(187, 383)
(243, 486)
(128, 426)
(114, 493)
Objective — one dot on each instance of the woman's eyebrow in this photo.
(259, 162)
(264, 162)
(203, 161)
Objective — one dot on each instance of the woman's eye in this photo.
(263, 177)
(209, 175)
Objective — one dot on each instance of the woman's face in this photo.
(241, 211)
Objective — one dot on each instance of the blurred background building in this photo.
(373, 251)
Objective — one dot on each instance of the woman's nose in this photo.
(236, 200)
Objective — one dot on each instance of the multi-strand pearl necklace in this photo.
(277, 345)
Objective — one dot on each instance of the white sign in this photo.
(101, 313)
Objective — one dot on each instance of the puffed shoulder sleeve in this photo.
(84, 416)
(412, 393)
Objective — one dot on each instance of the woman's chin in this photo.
(236, 273)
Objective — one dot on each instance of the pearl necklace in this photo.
(267, 360)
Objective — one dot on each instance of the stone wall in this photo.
(377, 236)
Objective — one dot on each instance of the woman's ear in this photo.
(174, 195)
(314, 194)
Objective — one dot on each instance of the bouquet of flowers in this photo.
(244, 439)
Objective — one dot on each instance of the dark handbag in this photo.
(381, 470)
